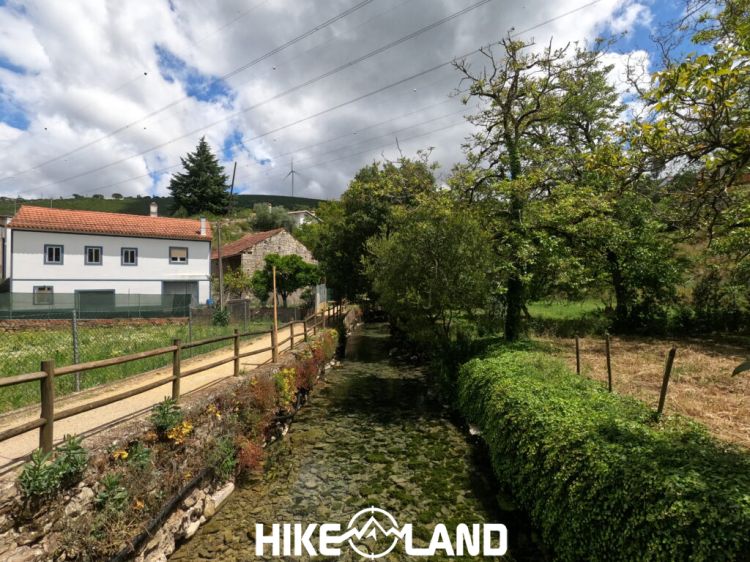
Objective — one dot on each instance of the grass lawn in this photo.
(564, 310)
(22, 352)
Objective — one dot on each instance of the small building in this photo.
(250, 251)
(303, 217)
(97, 256)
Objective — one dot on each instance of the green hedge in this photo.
(600, 479)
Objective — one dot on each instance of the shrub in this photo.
(43, 476)
(113, 497)
(220, 317)
(600, 479)
(70, 461)
(221, 458)
(39, 477)
(139, 456)
(263, 394)
(165, 416)
(306, 373)
(285, 388)
(250, 457)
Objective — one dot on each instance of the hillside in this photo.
(140, 205)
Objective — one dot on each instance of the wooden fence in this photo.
(46, 376)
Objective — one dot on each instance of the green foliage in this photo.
(203, 184)
(44, 475)
(222, 458)
(292, 273)
(166, 415)
(432, 267)
(39, 477)
(113, 497)
(220, 316)
(365, 210)
(139, 456)
(237, 282)
(267, 217)
(599, 478)
(70, 461)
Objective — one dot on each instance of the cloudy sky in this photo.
(100, 96)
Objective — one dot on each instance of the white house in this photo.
(97, 256)
(303, 217)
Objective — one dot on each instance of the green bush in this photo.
(220, 317)
(113, 497)
(599, 478)
(44, 476)
(166, 415)
(222, 458)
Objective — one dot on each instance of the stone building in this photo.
(250, 251)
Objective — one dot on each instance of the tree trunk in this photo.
(621, 293)
(514, 296)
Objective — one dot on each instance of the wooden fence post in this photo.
(236, 352)
(578, 357)
(609, 362)
(46, 432)
(274, 347)
(304, 328)
(176, 368)
(291, 335)
(275, 331)
(665, 381)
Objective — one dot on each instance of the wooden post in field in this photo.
(46, 432)
(578, 356)
(665, 381)
(275, 331)
(176, 368)
(291, 335)
(609, 363)
(236, 352)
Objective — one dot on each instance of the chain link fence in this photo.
(70, 336)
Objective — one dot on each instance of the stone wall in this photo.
(283, 244)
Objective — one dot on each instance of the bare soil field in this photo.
(702, 386)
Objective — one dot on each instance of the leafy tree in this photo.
(339, 241)
(117, 196)
(202, 187)
(540, 113)
(432, 267)
(292, 273)
(266, 217)
(237, 282)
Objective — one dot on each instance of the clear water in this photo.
(371, 435)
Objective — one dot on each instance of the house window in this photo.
(93, 255)
(129, 256)
(53, 254)
(44, 295)
(178, 255)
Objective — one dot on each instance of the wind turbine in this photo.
(292, 173)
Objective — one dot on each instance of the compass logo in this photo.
(373, 533)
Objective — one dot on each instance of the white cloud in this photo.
(631, 14)
(85, 65)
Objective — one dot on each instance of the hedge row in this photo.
(599, 478)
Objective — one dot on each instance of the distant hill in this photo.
(140, 206)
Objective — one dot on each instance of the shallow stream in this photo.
(371, 435)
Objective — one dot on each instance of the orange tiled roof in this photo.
(244, 243)
(95, 222)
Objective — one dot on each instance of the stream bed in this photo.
(371, 435)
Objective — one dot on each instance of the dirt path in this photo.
(17, 448)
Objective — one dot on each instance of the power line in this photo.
(231, 73)
(337, 106)
(305, 84)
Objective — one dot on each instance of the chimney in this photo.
(154, 209)
(203, 226)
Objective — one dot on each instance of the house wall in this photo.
(153, 268)
(282, 243)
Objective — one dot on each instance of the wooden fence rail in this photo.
(48, 372)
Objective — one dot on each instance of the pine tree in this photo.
(202, 187)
